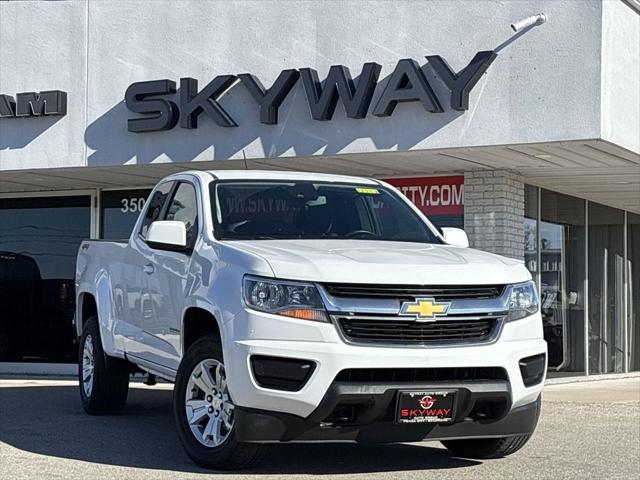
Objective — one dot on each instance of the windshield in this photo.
(259, 210)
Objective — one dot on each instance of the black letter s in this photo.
(165, 112)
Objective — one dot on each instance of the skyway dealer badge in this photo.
(425, 407)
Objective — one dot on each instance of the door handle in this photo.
(148, 268)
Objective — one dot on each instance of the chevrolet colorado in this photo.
(298, 307)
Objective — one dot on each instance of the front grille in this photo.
(411, 292)
(393, 330)
(414, 375)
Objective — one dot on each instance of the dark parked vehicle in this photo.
(36, 318)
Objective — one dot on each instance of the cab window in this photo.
(184, 208)
(155, 206)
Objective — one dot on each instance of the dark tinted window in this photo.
(39, 240)
(184, 208)
(120, 210)
(290, 210)
(156, 204)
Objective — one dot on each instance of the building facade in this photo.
(530, 140)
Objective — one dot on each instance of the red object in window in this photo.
(433, 195)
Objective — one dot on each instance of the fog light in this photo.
(279, 373)
(532, 369)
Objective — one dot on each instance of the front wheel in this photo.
(204, 411)
(486, 448)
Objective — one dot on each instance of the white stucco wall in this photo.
(621, 74)
(42, 47)
(544, 85)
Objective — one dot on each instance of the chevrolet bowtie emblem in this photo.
(425, 309)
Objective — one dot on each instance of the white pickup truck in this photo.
(298, 307)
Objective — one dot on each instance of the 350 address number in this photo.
(132, 205)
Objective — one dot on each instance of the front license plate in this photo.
(425, 406)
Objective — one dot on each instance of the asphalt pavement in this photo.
(587, 430)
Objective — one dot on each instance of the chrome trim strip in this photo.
(470, 306)
(409, 318)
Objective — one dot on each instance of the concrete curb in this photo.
(591, 378)
(39, 369)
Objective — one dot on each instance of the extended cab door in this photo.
(169, 283)
(138, 305)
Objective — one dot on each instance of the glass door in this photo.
(562, 245)
(606, 289)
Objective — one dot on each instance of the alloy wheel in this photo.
(88, 361)
(208, 406)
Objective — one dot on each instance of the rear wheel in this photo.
(204, 411)
(104, 380)
(486, 448)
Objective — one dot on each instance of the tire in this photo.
(103, 380)
(487, 448)
(206, 400)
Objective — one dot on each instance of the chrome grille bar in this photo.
(408, 292)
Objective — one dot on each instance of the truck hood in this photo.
(382, 262)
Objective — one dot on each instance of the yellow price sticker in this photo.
(369, 191)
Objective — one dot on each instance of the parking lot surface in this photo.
(587, 430)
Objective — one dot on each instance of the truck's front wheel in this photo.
(104, 380)
(203, 410)
(486, 448)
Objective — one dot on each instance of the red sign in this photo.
(433, 195)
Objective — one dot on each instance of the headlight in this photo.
(291, 299)
(523, 300)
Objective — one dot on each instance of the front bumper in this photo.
(372, 417)
(254, 333)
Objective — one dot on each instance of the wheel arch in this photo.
(86, 306)
(196, 323)
(98, 301)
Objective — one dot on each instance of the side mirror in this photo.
(455, 236)
(167, 235)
